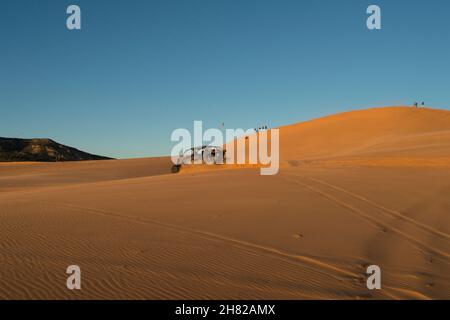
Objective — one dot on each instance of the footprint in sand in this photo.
(384, 230)
(294, 163)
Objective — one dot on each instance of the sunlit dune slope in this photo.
(391, 131)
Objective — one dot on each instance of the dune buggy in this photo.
(200, 155)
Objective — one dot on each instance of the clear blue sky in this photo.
(139, 69)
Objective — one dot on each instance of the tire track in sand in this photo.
(310, 263)
(389, 212)
(429, 235)
(373, 220)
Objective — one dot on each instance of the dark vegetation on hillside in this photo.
(46, 150)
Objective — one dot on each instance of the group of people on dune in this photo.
(416, 104)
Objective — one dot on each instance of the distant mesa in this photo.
(43, 150)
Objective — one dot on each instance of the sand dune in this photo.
(354, 189)
(30, 175)
(395, 131)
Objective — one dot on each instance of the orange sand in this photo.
(354, 189)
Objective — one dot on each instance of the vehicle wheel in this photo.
(176, 168)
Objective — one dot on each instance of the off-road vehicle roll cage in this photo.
(203, 154)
